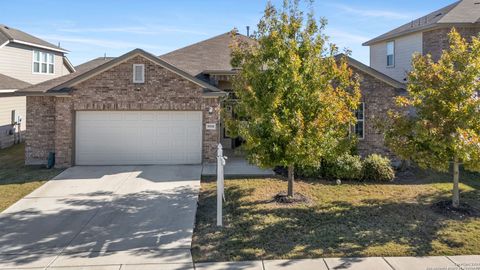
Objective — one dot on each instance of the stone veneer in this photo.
(435, 41)
(379, 98)
(50, 120)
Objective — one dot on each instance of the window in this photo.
(36, 61)
(359, 128)
(390, 53)
(51, 63)
(138, 73)
(43, 62)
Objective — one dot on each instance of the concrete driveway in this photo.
(108, 217)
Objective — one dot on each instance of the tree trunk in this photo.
(291, 178)
(456, 178)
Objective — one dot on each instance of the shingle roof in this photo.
(372, 72)
(80, 70)
(460, 12)
(210, 54)
(14, 35)
(9, 83)
(62, 85)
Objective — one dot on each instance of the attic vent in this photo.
(439, 14)
(138, 73)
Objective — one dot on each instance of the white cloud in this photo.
(345, 37)
(104, 43)
(141, 30)
(375, 13)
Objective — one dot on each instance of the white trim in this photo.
(3, 45)
(393, 54)
(40, 46)
(41, 54)
(363, 123)
(69, 63)
(138, 52)
(3, 91)
(142, 80)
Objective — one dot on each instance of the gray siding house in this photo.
(24, 60)
(391, 53)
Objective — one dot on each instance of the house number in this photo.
(211, 126)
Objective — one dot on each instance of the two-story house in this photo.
(391, 53)
(24, 60)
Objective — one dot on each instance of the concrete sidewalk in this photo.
(370, 263)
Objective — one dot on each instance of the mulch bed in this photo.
(446, 208)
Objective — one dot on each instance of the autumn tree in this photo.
(443, 126)
(295, 99)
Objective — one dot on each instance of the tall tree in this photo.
(443, 126)
(295, 99)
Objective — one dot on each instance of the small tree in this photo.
(295, 100)
(444, 124)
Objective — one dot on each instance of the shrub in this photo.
(345, 167)
(378, 168)
(308, 172)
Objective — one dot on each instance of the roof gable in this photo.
(460, 12)
(43, 88)
(372, 72)
(97, 66)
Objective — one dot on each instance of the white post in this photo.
(220, 184)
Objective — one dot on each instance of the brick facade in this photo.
(379, 98)
(51, 119)
(435, 41)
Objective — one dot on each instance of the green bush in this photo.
(378, 168)
(345, 167)
(308, 172)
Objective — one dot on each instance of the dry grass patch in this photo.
(351, 219)
(18, 180)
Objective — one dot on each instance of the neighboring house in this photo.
(24, 60)
(11, 108)
(391, 53)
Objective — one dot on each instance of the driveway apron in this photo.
(104, 216)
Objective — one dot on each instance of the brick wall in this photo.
(114, 90)
(435, 41)
(40, 133)
(379, 98)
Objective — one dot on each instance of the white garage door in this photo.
(138, 137)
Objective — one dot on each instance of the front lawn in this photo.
(345, 220)
(18, 180)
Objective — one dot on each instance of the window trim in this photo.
(363, 123)
(40, 62)
(393, 54)
(143, 73)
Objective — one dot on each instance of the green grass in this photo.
(18, 180)
(345, 220)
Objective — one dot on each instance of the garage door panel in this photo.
(150, 137)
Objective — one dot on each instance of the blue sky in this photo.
(91, 28)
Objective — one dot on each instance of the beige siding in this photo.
(16, 62)
(7, 104)
(405, 47)
(65, 69)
